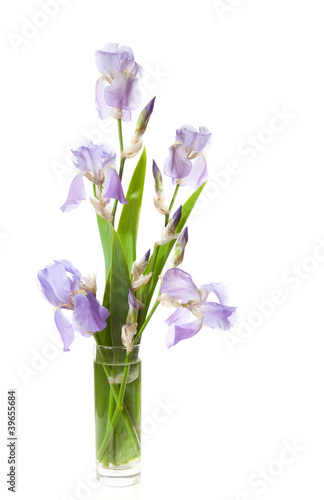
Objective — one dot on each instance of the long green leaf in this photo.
(116, 293)
(106, 234)
(165, 250)
(129, 219)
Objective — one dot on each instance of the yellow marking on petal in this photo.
(82, 291)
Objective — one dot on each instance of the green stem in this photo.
(172, 203)
(122, 162)
(119, 409)
(125, 413)
(139, 335)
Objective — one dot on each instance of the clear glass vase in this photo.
(117, 388)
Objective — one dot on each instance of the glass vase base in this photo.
(124, 475)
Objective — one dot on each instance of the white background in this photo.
(234, 404)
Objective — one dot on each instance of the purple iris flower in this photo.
(180, 291)
(186, 163)
(117, 91)
(63, 287)
(96, 163)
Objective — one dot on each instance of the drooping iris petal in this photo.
(65, 328)
(177, 164)
(218, 316)
(78, 329)
(100, 101)
(112, 187)
(55, 284)
(124, 92)
(178, 285)
(218, 289)
(76, 194)
(178, 332)
(88, 313)
(199, 173)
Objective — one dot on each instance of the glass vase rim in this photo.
(117, 347)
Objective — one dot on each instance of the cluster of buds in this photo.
(136, 143)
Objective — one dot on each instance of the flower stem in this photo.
(172, 203)
(114, 394)
(122, 162)
(139, 335)
(119, 409)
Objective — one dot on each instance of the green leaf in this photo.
(129, 219)
(165, 250)
(106, 233)
(116, 293)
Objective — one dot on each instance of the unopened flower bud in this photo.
(128, 334)
(136, 143)
(157, 178)
(102, 208)
(169, 232)
(139, 266)
(179, 248)
(159, 199)
(134, 306)
(132, 149)
(144, 118)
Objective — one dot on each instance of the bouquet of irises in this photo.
(118, 322)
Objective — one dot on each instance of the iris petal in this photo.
(176, 333)
(177, 164)
(100, 101)
(218, 289)
(76, 194)
(112, 187)
(199, 173)
(55, 284)
(65, 328)
(179, 316)
(88, 313)
(123, 93)
(178, 285)
(195, 141)
(218, 316)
